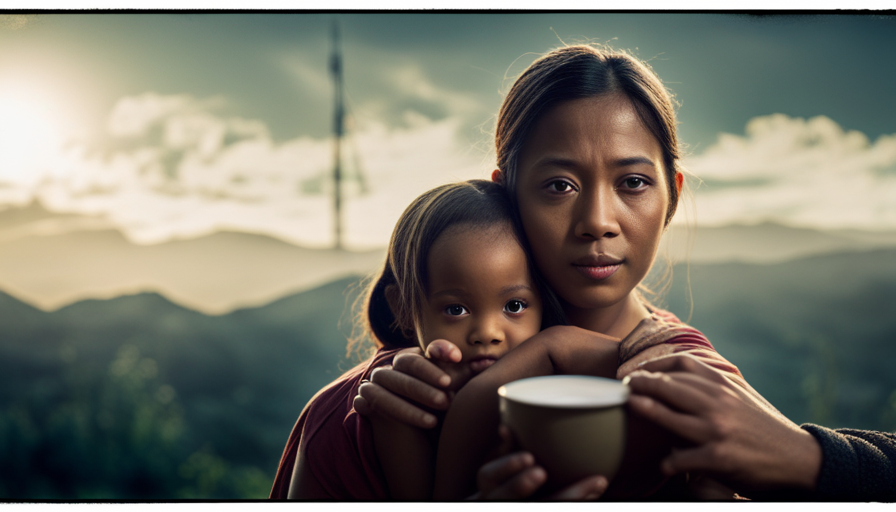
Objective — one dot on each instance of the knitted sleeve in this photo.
(857, 465)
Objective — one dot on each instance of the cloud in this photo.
(178, 169)
(801, 172)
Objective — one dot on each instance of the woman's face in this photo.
(593, 197)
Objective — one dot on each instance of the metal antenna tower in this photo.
(338, 129)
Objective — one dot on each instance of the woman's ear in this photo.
(679, 182)
(498, 176)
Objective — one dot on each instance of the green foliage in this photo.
(138, 398)
(113, 435)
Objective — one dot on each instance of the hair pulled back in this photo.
(472, 204)
(576, 72)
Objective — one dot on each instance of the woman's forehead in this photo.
(604, 127)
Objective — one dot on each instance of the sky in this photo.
(176, 125)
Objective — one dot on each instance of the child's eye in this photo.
(515, 306)
(455, 310)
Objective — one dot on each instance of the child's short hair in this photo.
(473, 203)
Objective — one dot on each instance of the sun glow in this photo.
(31, 134)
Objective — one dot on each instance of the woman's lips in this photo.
(477, 365)
(598, 272)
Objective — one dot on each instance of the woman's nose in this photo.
(597, 215)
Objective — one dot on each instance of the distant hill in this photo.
(766, 243)
(241, 378)
(51, 260)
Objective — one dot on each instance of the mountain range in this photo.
(52, 260)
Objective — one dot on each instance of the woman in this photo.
(587, 149)
(739, 438)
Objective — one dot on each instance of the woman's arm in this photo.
(857, 465)
(470, 428)
(736, 436)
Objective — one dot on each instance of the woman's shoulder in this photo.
(662, 327)
(662, 334)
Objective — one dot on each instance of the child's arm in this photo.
(407, 456)
(471, 425)
(407, 453)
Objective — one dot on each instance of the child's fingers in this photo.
(509, 442)
(588, 489)
(496, 472)
(444, 350)
(511, 477)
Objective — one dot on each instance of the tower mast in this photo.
(338, 116)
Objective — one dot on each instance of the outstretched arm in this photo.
(857, 465)
(469, 430)
(736, 436)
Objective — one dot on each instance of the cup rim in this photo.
(585, 396)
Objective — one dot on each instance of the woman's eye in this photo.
(634, 183)
(515, 306)
(559, 186)
(455, 310)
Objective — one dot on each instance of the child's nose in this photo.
(486, 331)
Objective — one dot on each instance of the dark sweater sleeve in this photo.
(857, 465)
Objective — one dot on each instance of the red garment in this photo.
(336, 444)
(663, 334)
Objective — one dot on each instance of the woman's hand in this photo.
(413, 383)
(515, 476)
(738, 437)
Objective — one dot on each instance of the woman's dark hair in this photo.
(472, 204)
(576, 72)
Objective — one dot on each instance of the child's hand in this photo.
(446, 356)
(516, 476)
(412, 383)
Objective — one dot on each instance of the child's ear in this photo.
(392, 297)
(498, 176)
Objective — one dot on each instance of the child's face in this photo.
(480, 295)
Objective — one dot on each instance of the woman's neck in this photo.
(617, 320)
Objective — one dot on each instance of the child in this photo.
(456, 270)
